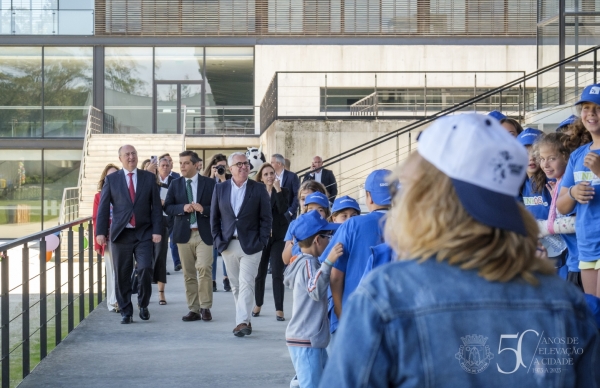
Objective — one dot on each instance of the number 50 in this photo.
(517, 351)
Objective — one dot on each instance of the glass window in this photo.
(229, 90)
(178, 63)
(61, 170)
(20, 192)
(67, 90)
(128, 89)
(20, 91)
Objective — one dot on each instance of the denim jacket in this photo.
(431, 324)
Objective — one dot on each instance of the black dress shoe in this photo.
(144, 313)
(214, 286)
(226, 284)
(126, 320)
(191, 316)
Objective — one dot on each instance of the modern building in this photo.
(288, 75)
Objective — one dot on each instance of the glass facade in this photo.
(198, 90)
(31, 188)
(45, 91)
(47, 17)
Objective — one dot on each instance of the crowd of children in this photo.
(325, 268)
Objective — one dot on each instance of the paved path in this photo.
(167, 352)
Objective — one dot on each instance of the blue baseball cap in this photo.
(318, 198)
(591, 93)
(568, 121)
(345, 202)
(378, 186)
(497, 115)
(311, 223)
(529, 136)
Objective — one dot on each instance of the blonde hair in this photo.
(428, 220)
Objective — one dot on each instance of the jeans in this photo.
(309, 364)
(214, 266)
(174, 251)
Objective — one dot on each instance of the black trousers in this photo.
(160, 255)
(124, 249)
(271, 253)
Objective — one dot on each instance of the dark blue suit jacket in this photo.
(146, 206)
(253, 221)
(292, 183)
(177, 199)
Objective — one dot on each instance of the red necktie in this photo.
(132, 195)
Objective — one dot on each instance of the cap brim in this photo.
(489, 207)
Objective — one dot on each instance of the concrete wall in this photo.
(300, 141)
(272, 58)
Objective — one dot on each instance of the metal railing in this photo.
(44, 324)
(94, 125)
(219, 120)
(19, 20)
(339, 95)
(69, 206)
(392, 140)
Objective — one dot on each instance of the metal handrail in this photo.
(391, 135)
(90, 128)
(95, 279)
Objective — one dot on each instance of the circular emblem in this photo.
(474, 355)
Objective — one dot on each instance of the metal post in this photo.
(325, 96)
(57, 296)
(91, 266)
(25, 305)
(595, 66)
(4, 307)
(70, 280)
(561, 50)
(409, 142)
(376, 98)
(81, 297)
(475, 93)
(43, 301)
(425, 99)
(500, 101)
(519, 102)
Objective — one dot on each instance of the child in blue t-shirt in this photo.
(553, 156)
(578, 191)
(534, 194)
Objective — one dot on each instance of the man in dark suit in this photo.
(290, 181)
(136, 225)
(172, 245)
(241, 221)
(189, 202)
(322, 175)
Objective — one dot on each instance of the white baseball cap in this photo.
(486, 164)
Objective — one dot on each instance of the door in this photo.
(178, 107)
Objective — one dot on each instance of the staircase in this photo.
(102, 149)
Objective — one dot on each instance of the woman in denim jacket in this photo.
(469, 304)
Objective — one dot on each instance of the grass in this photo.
(16, 357)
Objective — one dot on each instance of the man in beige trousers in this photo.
(189, 202)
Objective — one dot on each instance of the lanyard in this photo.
(552, 215)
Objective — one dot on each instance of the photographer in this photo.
(217, 170)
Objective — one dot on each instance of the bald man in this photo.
(135, 223)
(322, 175)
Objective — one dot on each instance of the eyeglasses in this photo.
(327, 236)
(241, 164)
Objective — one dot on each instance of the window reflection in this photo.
(20, 91)
(128, 89)
(61, 170)
(20, 192)
(178, 63)
(67, 90)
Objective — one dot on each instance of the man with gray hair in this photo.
(241, 221)
(290, 181)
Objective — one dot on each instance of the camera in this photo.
(220, 170)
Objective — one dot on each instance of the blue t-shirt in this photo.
(587, 224)
(572, 252)
(288, 237)
(538, 203)
(380, 254)
(357, 235)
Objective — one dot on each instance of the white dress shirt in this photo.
(134, 180)
(237, 197)
(280, 177)
(163, 191)
(318, 175)
(194, 195)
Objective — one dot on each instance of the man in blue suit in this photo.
(136, 224)
(241, 221)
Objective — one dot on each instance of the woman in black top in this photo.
(274, 249)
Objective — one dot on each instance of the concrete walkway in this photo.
(167, 352)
